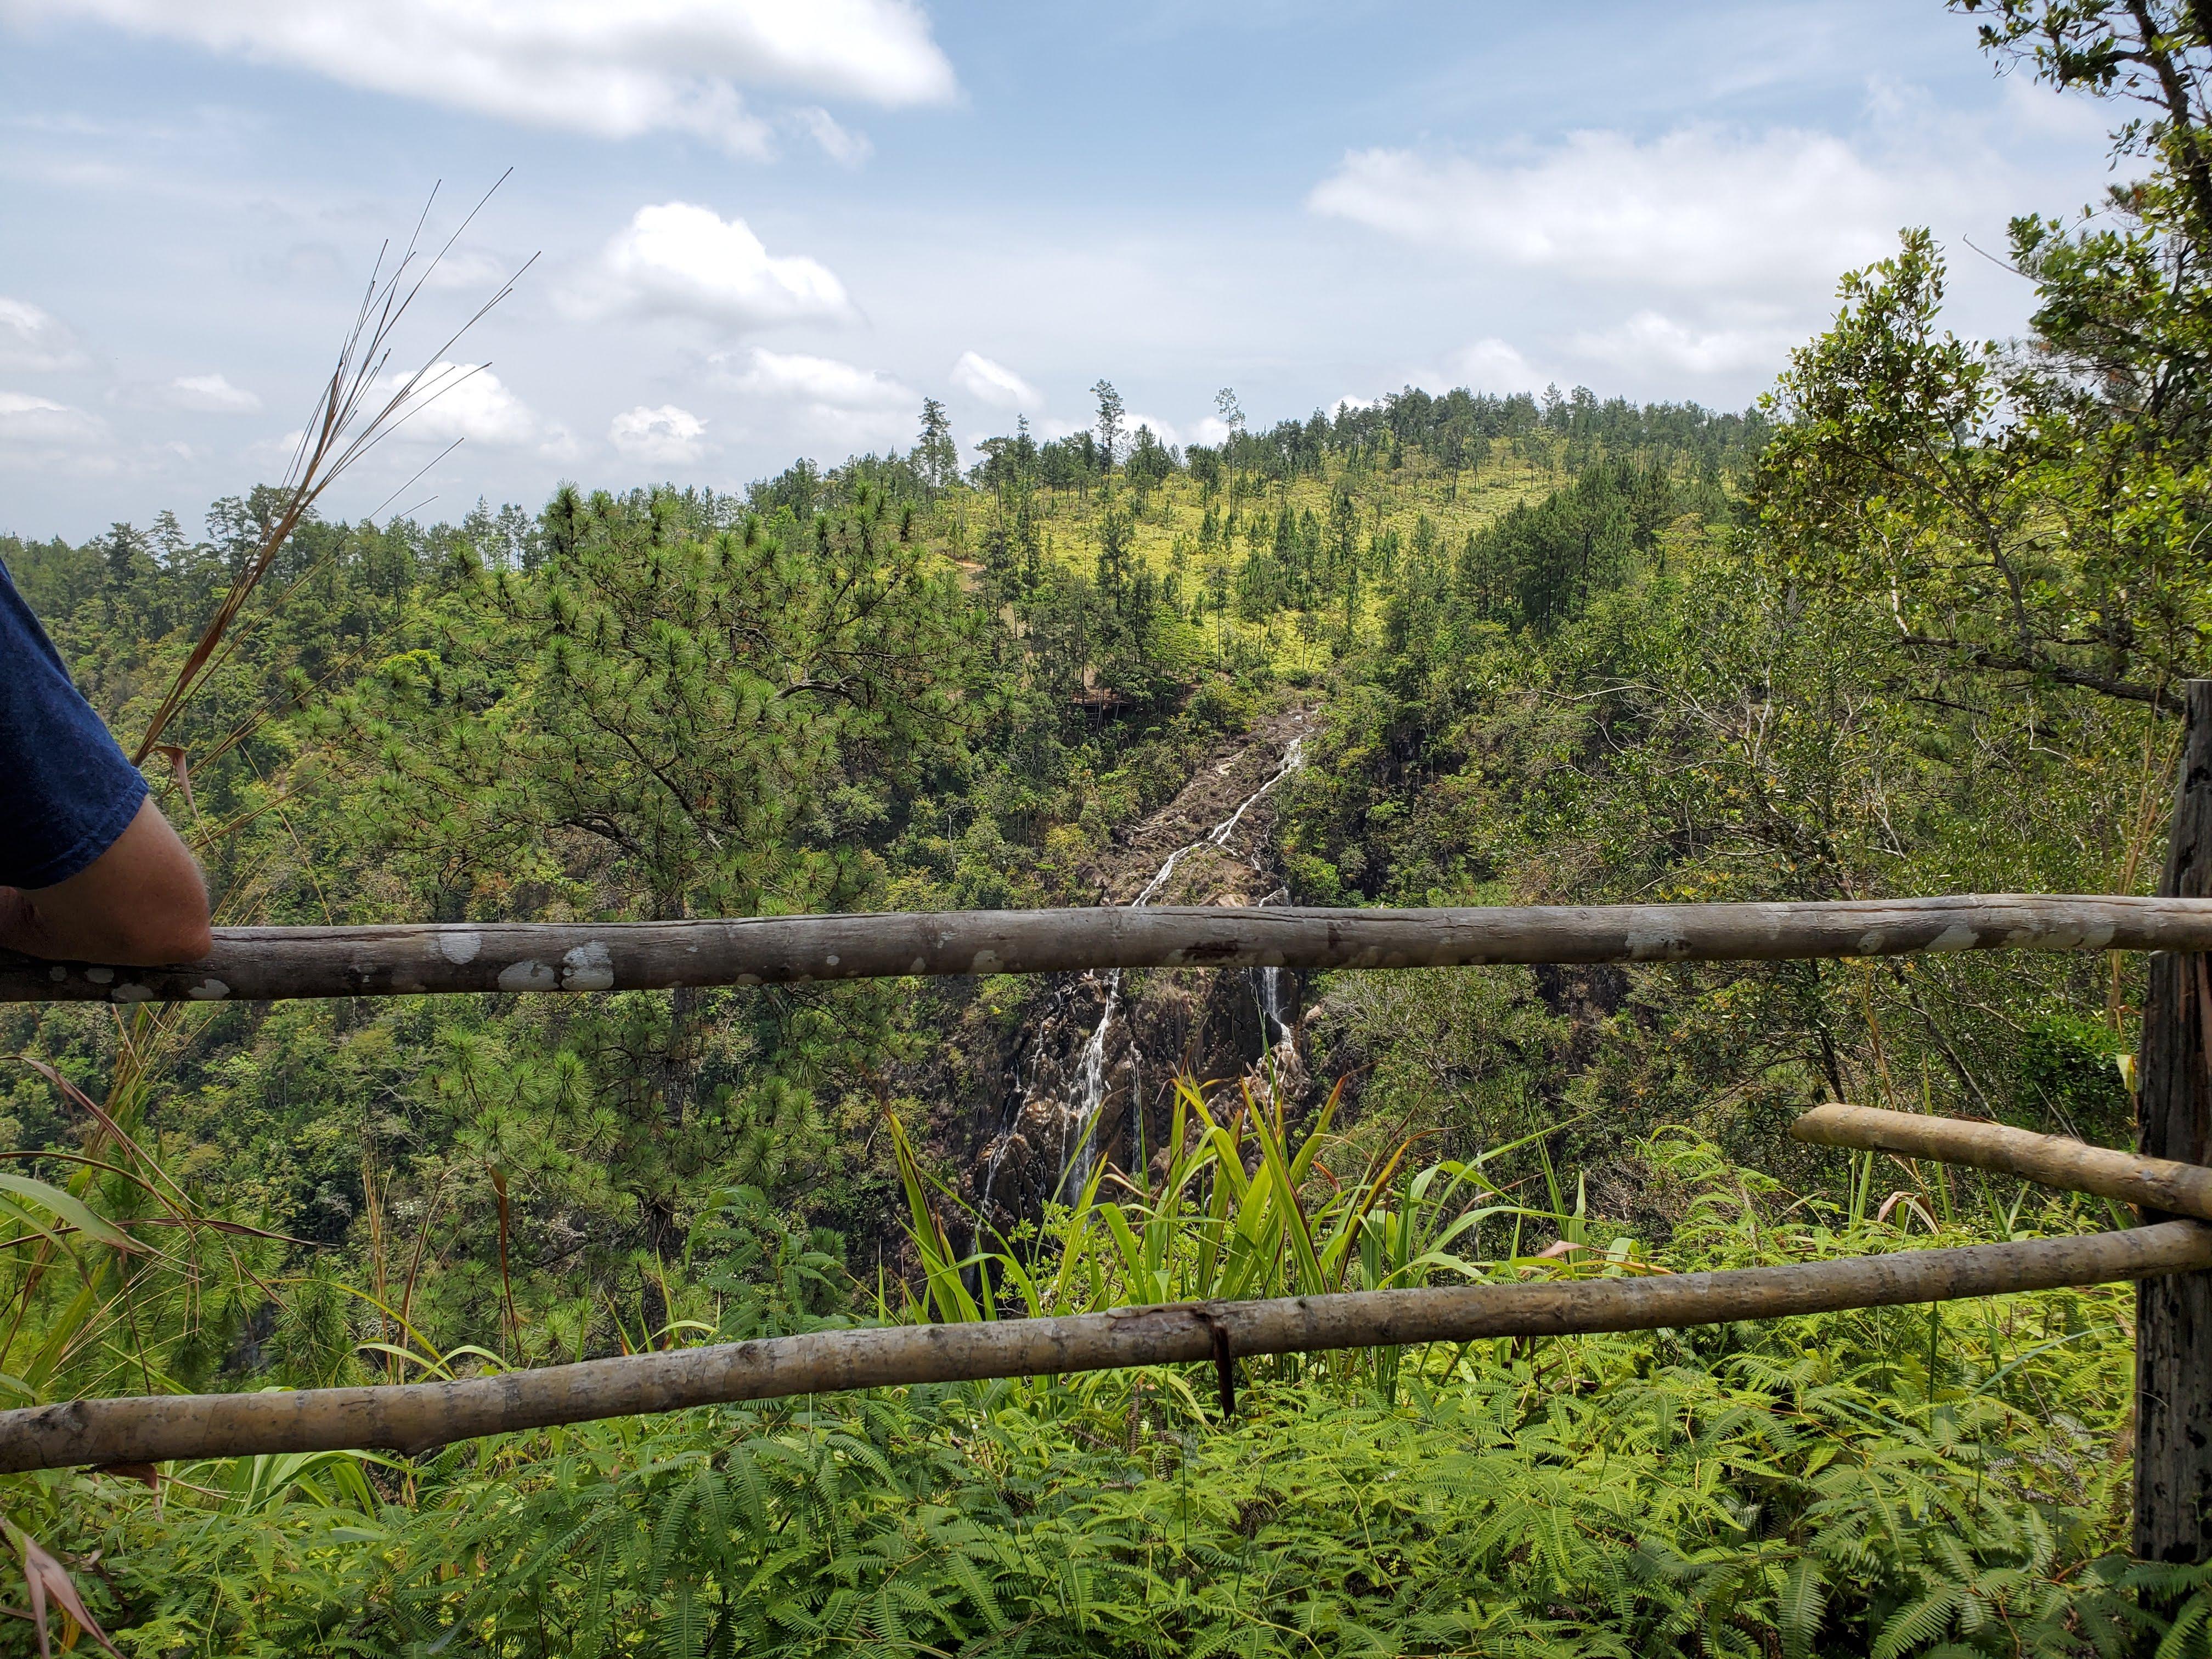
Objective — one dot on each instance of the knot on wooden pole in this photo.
(1224, 1361)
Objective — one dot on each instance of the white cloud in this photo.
(210, 394)
(675, 259)
(1166, 431)
(1647, 340)
(277, 452)
(666, 436)
(2083, 122)
(793, 398)
(825, 380)
(35, 340)
(1691, 261)
(613, 70)
(474, 270)
(1496, 366)
(994, 383)
(450, 403)
(38, 429)
(465, 401)
(841, 144)
(1699, 210)
(561, 447)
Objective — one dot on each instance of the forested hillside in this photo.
(1914, 625)
(877, 689)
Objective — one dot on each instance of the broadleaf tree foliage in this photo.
(2036, 510)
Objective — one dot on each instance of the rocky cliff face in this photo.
(1088, 1076)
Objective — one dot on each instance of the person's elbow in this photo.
(170, 926)
(190, 938)
(141, 903)
(154, 906)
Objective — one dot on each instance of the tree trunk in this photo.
(2173, 1315)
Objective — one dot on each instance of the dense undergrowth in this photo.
(1913, 1481)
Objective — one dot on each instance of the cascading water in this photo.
(1079, 1117)
(1269, 989)
(1081, 1120)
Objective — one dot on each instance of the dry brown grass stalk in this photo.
(358, 407)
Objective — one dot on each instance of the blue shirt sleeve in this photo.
(66, 789)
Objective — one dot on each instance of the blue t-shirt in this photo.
(66, 789)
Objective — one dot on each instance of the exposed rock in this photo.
(1216, 1025)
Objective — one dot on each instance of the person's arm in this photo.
(141, 903)
(90, 869)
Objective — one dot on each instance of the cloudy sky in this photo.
(769, 228)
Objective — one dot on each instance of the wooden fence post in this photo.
(2173, 1314)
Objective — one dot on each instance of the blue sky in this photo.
(769, 227)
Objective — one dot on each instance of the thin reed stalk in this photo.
(358, 409)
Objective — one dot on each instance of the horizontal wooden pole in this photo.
(2157, 1185)
(259, 963)
(413, 1417)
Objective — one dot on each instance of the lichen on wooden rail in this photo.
(261, 963)
(413, 1417)
(2158, 1185)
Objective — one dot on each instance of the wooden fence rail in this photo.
(415, 1417)
(259, 964)
(2155, 1184)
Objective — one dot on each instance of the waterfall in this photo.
(1082, 1121)
(1268, 991)
(1080, 1118)
(1273, 1027)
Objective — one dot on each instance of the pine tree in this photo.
(1117, 536)
(1110, 413)
(1232, 417)
(936, 457)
